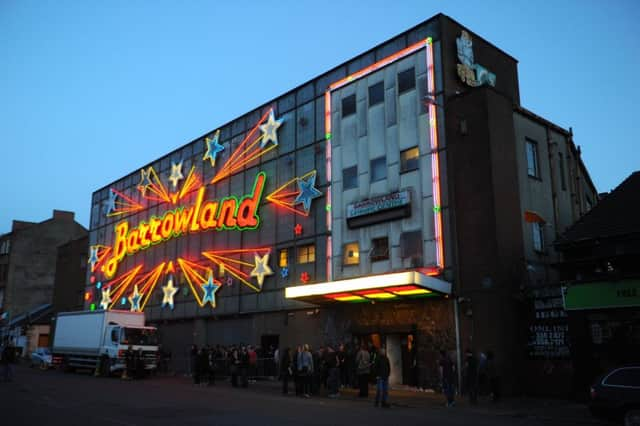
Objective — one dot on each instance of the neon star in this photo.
(110, 204)
(210, 288)
(106, 298)
(213, 148)
(169, 291)
(134, 299)
(93, 256)
(176, 173)
(308, 192)
(261, 268)
(305, 277)
(145, 180)
(270, 130)
(297, 229)
(284, 272)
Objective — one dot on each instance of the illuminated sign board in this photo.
(181, 207)
(378, 204)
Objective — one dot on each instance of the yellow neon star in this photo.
(270, 130)
(176, 173)
(261, 268)
(106, 298)
(169, 291)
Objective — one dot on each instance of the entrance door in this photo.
(43, 340)
(394, 353)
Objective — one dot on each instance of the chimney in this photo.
(63, 215)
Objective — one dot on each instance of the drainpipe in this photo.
(458, 348)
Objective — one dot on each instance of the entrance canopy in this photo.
(395, 286)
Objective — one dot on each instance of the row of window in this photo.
(5, 246)
(351, 253)
(409, 160)
(406, 82)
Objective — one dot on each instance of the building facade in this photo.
(396, 199)
(28, 257)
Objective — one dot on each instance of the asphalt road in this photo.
(54, 398)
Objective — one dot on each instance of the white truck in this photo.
(91, 339)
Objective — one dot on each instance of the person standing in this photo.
(333, 379)
(471, 376)
(193, 364)
(447, 377)
(285, 370)
(7, 357)
(382, 369)
(244, 367)
(494, 378)
(235, 366)
(297, 378)
(363, 368)
(305, 370)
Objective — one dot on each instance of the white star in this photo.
(270, 130)
(176, 173)
(106, 298)
(261, 268)
(169, 291)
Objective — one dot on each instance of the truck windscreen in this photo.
(139, 336)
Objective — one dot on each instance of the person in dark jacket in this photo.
(382, 370)
(244, 367)
(471, 376)
(285, 370)
(447, 376)
(193, 363)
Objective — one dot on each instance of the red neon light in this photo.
(233, 265)
(245, 153)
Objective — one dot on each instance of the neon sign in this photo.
(229, 213)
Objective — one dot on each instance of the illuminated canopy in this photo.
(409, 284)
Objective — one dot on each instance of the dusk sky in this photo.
(91, 91)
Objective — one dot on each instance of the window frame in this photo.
(371, 168)
(345, 251)
(285, 252)
(344, 180)
(403, 161)
(370, 97)
(538, 230)
(343, 103)
(300, 255)
(378, 258)
(410, 71)
(536, 163)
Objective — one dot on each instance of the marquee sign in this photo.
(378, 204)
(185, 209)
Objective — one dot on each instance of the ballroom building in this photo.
(404, 198)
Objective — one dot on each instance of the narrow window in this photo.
(380, 249)
(351, 254)
(307, 254)
(409, 159)
(348, 106)
(283, 258)
(538, 237)
(378, 169)
(532, 159)
(376, 94)
(350, 177)
(406, 80)
(563, 181)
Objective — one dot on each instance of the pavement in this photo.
(54, 398)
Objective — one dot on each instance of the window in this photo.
(376, 94)
(380, 249)
(348, 106)
(532, 158)
(409, 159)
(588, 202)
(538, 236)
(350, 178)
(411, 244)
(4, 247)
(563, 181)
(283, 258)
(378, 169)
(406, 80)
(351, 254)
(624, 377)
(307, 254)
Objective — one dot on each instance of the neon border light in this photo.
(433, 133)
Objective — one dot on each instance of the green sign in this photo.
(601, 295)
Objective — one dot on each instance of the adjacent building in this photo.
(403, 198)
(28, 257)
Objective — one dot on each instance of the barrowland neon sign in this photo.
(205, 274)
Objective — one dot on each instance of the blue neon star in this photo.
(210, 289)
(93, 256)
(110, 204)
(135, 299)
(284, 272)
(213, 148)
(308, 192)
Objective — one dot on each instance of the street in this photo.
(54, 398)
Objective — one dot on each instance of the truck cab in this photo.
(143, 342)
